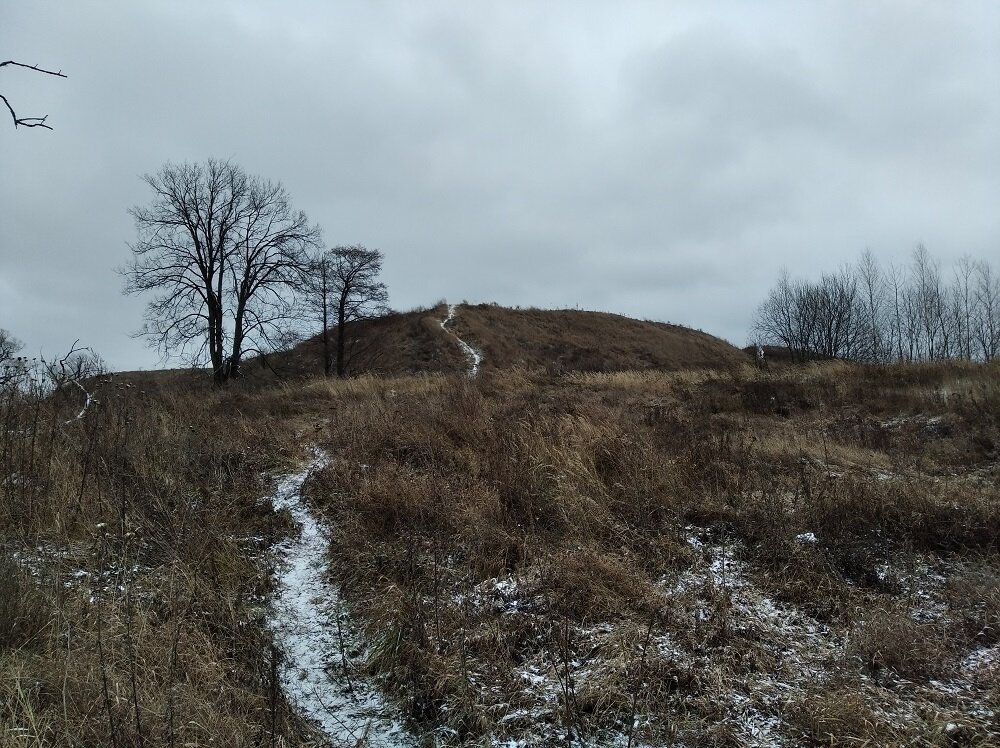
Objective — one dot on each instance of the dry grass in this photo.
(132, 571)
(645, 556)
(565, 340)
(517, 527)
(559, 340)
(841, 716)
(396, 344)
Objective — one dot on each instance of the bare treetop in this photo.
(868, 313)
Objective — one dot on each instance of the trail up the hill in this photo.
(321, 652)
(474, 356)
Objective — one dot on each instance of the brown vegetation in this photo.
(390, 345)
(573, 340)
(643, 556)
(559, 340)
(525, 546)
(133, 574)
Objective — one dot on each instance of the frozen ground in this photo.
(746, 667)
(322, 653)
(744, 662)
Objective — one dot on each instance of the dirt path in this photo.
(474, 356)
(321, 652)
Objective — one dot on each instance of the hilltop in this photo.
(558, 339)
(575, 340)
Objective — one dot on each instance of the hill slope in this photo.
(415, 342)
(565, 339)
(574, 340)
(397, 343)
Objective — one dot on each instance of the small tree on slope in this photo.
(344, 285)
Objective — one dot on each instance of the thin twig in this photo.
(37, 69)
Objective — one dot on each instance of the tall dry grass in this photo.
(581, 487)
(134, 580)
(481, 527)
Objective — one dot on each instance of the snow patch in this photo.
(986, 658)
(719, 591)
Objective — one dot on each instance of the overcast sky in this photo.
(662, 160)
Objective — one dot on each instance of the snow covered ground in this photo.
(796, 656)
(322, 653)
(746, 665)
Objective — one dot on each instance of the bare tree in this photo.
(344, 284)
(962, 303)
(222, 251)
(929, 304)
(896, 328)
(774, 321)
(9, 346)
(986, 324)
(905, 313)
(12, 366)
(874, 293)
(28, 121)
(834, 300)
(319, 301)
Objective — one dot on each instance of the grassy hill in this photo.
(395, 344)
(400, 343)
(574, 340)
(560, 340)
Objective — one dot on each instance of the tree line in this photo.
(234, 270)
(869, 312)
(41, 375)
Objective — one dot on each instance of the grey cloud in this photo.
(657, 160)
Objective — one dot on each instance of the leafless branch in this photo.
(28, 121)
(37, 69)
(343, 286)
(870, 313)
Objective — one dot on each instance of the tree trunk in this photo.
(341, 336)
(237, 355)
(215, 352)
(219, 361)
(327, 358)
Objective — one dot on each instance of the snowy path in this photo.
(313, 632)
(474, 356)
